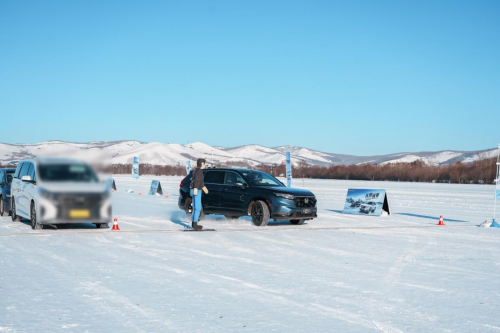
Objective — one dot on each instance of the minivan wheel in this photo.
(189, 210)
(14, 216)
(2, 207)
(260, 213)
(34, 224)
(297, 221)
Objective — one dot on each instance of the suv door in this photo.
(213, 181)
(3, 180)
(233, 198)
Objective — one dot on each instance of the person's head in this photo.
(201, 163)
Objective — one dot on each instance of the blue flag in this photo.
(288, 170)
(135, 168)
(188, 166)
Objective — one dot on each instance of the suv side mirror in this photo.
(240, 185)
(26, 179)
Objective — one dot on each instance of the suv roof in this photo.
(232, 169)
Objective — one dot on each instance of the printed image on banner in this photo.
(135, 168)
(155, 188)
(288, 170)
(365, 202)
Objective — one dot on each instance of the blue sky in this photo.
(353, 77)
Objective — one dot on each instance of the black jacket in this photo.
(198, 180)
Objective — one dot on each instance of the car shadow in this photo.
(62, 226)
(176, 217)
(429, 217)
(272, 223)
(333, 210)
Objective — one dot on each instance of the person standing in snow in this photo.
(198, 186)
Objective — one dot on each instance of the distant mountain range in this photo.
(122, 152)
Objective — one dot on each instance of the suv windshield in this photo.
(66, 172)
(9, 175)
(259, 178)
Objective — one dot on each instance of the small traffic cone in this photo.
(140, 193)
(115, 225)
(166, 195)
(441, 220)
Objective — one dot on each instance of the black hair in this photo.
(200, 161)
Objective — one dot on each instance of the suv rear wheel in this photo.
(260, 213)
(189, 210)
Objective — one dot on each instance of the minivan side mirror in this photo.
(240, 185)
(26, 179)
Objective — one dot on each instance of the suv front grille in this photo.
(305, 201)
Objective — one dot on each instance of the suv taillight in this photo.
(181, 185)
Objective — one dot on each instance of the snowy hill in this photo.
(123, 152)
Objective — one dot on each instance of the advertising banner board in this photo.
(135, 168)
(497, 196)
(366, 202)
(288, 170)
(155, 188)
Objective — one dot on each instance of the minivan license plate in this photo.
(79, 213)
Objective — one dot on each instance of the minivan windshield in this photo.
(66, 173)
(259, 178)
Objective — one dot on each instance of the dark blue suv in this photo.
(6, 176)
(240, 192)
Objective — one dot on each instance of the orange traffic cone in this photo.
(140, 193)
(441, 220)
(166, 195)
(115, 225)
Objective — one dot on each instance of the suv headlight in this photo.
(284, 195)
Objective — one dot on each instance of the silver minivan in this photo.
(55, 191)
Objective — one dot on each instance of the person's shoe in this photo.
(196, 226)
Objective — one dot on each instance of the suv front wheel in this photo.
(260, 213)
(2, 207)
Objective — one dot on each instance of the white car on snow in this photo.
(54, 191)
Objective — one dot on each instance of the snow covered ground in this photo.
(342, 273)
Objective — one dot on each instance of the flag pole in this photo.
(497, 181)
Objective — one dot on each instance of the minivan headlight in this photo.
(48, 195)
(284, 195)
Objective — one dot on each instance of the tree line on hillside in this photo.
(460, 173)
